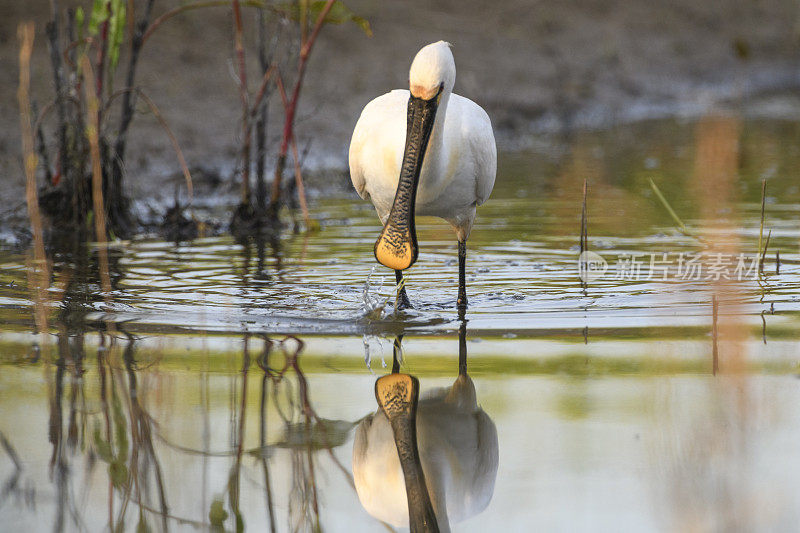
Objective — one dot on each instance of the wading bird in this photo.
(424, 151)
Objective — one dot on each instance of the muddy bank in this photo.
(537, 68)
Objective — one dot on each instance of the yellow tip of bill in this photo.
(397, 254)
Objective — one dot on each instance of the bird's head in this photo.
(432, 75)
(432, 70)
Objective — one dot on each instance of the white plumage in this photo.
(460, 162)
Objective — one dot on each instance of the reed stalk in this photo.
(41, 271)
(98, 205)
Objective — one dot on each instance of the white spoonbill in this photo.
(424, 151)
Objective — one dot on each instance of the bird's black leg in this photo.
(402, 298)
(462, 277)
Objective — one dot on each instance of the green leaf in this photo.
(217, 515)
(363, 24)
(338, 14)
(80, 17)
(99, 15)
(116, 32)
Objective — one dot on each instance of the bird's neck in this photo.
(437, 135)
(435, 157)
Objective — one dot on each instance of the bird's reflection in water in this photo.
(449, 455)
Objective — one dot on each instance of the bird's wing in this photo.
(478, 129)
(372, 125)
(356, 149)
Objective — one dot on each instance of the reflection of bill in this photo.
(457, 451)
(591, 266)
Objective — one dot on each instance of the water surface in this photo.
(221, 382)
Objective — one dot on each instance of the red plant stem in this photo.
(301, 191)
(288, 124)
(281, 89)
(262, 89)
(306, 49)
(237, 19)
(130, 15)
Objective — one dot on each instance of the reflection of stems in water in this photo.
(233, 483)
(193, 451)
(298, 405)
(303, 472)
(132, 474)
(181, 521)
(142, 434)
(59, 468)
(76, 389)
(11, 484)
(205, 404)
(11, 452)
(761, 228)
(309, 411)
(307, 414)
(764, 254)
(135, 440)
(101, 371)
(263, 362)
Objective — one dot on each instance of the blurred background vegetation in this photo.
(537, 67)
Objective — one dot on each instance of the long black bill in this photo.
(397, 394)
(397, 245)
